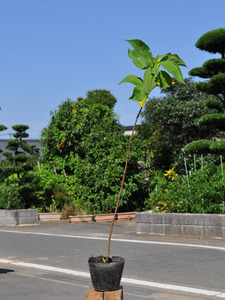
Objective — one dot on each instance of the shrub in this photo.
(204, 192)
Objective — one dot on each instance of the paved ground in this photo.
(20, 283)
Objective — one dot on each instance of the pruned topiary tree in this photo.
(19, 185)
(214, 71)
(2, 127)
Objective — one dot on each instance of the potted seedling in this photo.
(106, 272)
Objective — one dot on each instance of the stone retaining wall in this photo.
(18, 217)
(186, 225)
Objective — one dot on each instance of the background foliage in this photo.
(170, 122)
(202, 192)
(83, 148)
(85, 143)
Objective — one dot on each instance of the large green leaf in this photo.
(147, 82)
(138, 93)
(176, 59)
(141, 53)
(140, 47)
(141, 62)
(165, 79)
(150, 80)
(173, 69)
(132, 79)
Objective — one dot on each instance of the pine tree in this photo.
(2, 127)
(16, 172)
(214, 71)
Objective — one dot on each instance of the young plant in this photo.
(153, 77)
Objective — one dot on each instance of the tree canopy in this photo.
(213, 41)
(103, 97)
(172, 121)
(85, 141)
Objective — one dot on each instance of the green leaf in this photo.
(176, 59)
(140, 47)
(150, 80)
(147, 82)
(140, 61)
(141, 53)
(155, 71)
(132, 79)
(165, 80)
(173, 69)
(138, 93)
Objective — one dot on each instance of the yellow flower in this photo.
(171, 174)
(173, 81)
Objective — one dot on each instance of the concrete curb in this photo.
(184, 225)
(19, 217)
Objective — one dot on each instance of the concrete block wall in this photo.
(186, 225)
(18, 217)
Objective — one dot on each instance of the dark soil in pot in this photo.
(106, 276)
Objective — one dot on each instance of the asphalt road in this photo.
(178, 268)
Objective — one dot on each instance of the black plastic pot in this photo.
(106, 276)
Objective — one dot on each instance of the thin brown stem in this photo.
(121, 187)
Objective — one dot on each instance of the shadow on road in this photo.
(4, 271)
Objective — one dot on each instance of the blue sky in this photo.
(51, 50)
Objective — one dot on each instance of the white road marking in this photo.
(118, 240)
(178, 288)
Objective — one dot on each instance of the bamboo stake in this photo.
(202, 161)
(221, 161)
(55, 170)
(186, 170)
